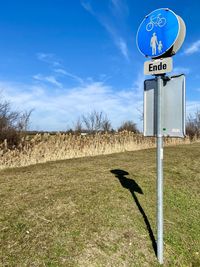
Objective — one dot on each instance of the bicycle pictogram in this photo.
(156, 21)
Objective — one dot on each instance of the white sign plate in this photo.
(158, 66)
(173, 107)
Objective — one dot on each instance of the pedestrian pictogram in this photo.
(160, 46)
(156, 45)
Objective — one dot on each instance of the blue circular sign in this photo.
(158, 32)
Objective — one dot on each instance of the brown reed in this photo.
(45, 147)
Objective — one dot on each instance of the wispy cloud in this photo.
(193, 48)
(50, 79)
(117, 39)
(192, 107)
(87, 6)
(180, 70)
(71, 75)
(56, 70)
(116, 3)
(61, 71)
(119, 7)
(123, 47)
(108, 24)
(48, 58)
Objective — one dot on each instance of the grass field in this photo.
(100, 211)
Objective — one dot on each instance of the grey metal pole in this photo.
(159, 175)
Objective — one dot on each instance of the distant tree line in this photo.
(95, 122)
(193, 125)
(14, 124)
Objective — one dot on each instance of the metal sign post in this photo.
(159, 174)
(164, 115)
(160, 36)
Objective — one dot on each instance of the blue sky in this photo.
(66, 58)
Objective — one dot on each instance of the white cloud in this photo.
(55, 109)
(48, 58)
(119, 8)
(116, 3)
(86, 5)
(50, 79)
(44, 56)
(71, 75)
(107, 23)
(61, 71)
(192, 107)
(117, 39)
(180, 70)
(123, 47)
(193, 48)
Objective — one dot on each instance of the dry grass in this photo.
(77, 213)
(44, 148)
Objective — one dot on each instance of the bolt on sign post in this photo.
(159, 37)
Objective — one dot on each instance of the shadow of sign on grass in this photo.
(134, 188)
